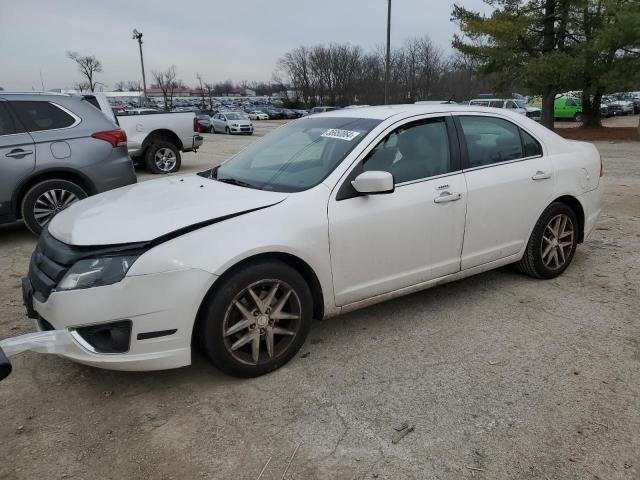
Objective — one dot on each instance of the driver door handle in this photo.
(540, 175)
(447, 197)
(18, 153)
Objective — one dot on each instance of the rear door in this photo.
(510, 181)
(17, 157)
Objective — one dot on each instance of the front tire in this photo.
(578, 117)
(46, 199)
(257, 319)
(552, 244)
(163, 157)
(227, 131)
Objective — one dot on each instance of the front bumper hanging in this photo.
(52, 341)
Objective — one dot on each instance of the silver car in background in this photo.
(56, 149)
(231, 122)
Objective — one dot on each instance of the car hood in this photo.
(149, 210)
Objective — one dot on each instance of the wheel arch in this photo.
(162, 134)
(575, 205)
(52, 174)
(295, 262)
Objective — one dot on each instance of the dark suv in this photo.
(56, 149)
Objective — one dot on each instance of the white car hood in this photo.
(148, 210)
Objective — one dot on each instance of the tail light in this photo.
(116, 138)
(196, 124)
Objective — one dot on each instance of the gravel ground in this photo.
(501, 377)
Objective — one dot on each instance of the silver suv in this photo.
(56, 149)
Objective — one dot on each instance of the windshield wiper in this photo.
(235, 181)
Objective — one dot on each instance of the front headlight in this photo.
(96, 272)
(234, 124)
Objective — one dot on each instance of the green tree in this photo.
(608, 51)
(522, 43)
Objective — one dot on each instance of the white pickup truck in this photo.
(154, 138)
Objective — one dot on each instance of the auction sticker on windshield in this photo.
(347, 135)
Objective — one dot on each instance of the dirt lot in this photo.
(502, 376)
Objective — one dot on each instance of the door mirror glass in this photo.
(374, 183)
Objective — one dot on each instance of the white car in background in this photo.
(231, 122)
(258, 115)
(324, 215)
(514, 104)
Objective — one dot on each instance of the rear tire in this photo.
(287, 326)
(552, 244)
(46, 199)
(162, 157)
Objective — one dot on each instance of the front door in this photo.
(382, 243)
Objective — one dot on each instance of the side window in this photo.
(37, 116)
(490, 140)
(531, 146)
(571, 103)
(8, 124)
(496, 103)
(413, 152)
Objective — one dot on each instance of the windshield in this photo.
(296, 156)
(235, 116)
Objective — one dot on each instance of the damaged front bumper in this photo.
(53, 341)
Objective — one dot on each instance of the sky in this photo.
(230, 39)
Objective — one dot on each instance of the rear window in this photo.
(8, 124)
(38, 116)
(93, 101)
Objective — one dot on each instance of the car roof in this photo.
(387, 111)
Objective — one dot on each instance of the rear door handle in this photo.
(18, 153)
(540, 175)
(447, 197)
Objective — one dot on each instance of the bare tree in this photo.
(210, 89)
(88, 66)
(166, 81)
(201, 87)
(120, 86)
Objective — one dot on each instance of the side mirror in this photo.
(374, 183)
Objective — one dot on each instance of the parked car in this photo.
(604, 111)
(274, 114)
(325, 215)
(155, 139)
(516, 105)
(568, 108)
(204, 122)
(258, 115)
(626, 106)
(289, 114)
(56, 149)
(231, 122)
(315, 110)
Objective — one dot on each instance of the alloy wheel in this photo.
(50, 203)
(165, 159)
(557, 241)
(262, 322)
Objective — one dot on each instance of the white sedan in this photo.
(325, 215)
(258, 115)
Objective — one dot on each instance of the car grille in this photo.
(48, 265)
(245, 129)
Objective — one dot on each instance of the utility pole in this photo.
(388, 62)
(138, 36)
